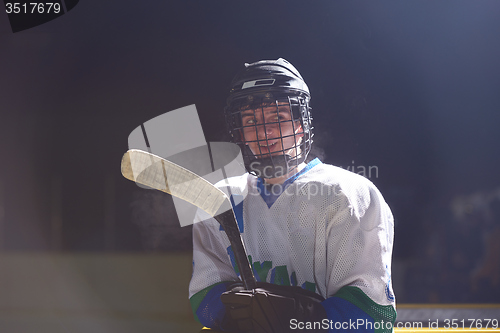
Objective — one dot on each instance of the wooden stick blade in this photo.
(160, 174)
(155, 172)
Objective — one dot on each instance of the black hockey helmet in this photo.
(269, 83)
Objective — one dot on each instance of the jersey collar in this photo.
(270, 193)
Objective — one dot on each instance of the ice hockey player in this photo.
(319, 238)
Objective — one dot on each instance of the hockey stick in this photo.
(155, 172)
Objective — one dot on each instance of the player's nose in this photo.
(265, 130)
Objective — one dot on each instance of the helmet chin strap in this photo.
(271, 167)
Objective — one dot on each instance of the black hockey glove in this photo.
(271, 308)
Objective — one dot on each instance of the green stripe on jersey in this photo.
(378, 312)
(197, 298)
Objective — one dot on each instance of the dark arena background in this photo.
(406, 93)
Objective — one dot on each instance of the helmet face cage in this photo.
(268, 116)
(278, 128)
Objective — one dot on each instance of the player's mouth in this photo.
(268, 147)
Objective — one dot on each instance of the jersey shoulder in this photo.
(359, 191)
(237, 185)
(335, 176)
(235, 188)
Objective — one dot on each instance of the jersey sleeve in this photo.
(212, 271)
(359, 250)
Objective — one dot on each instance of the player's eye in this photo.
(278, 117)
(248, 121)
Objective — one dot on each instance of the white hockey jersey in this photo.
(328, 229)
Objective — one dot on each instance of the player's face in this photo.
(270, 130)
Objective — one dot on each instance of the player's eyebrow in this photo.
(267, 109)
(251, 113)
(247, 113)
